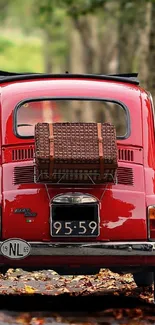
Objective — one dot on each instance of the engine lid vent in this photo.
(25, 175)
(22, 154)
(125, 176)
(126, 155)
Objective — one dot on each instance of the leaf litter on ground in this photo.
(48, 282)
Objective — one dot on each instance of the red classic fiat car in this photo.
(77, 227)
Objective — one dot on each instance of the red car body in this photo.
(126, 239)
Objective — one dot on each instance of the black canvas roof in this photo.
(11, 76)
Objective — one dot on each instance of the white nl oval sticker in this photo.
(15, 248)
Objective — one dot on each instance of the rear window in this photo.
(70, 110)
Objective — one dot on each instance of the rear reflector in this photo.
(151, 213)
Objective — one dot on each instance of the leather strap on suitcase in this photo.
(51, 138)
(100, 139)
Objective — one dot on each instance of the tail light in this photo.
(151, 221)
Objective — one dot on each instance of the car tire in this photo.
(143, 279)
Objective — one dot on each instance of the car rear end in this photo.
(76, 224)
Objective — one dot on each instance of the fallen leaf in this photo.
(29, 289)
(37, 321)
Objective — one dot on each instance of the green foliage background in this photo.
(18, 55)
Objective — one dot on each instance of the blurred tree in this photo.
(84, 17)
(131, 17)
(46, 20)
(143, 51)
(4, 7)
(44, 15)
(151, 53)
(51, 20)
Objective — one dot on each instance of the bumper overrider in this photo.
(15, 248)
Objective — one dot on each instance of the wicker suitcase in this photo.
(75, 152)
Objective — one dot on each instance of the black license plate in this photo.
(75, 228)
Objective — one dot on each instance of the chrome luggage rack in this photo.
(48, 182)
(60, 181)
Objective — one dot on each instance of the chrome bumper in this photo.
(93, 249)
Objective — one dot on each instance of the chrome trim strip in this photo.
(92, 249)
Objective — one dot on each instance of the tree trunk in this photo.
(108, 38)
(87, 29)
(128, 36)
(47, 52)
(143, 53)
